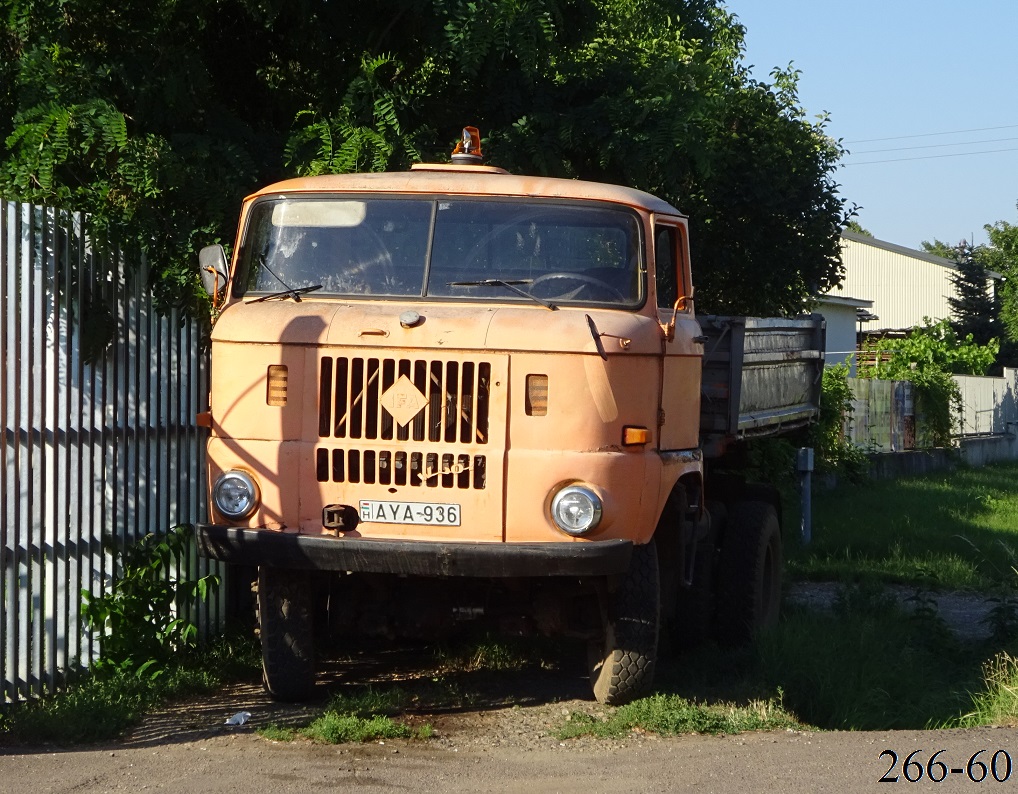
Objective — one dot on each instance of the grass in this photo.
(491, 653)
(869, 665)
(363, 716)
(669, 715)
(103, 704)
(997, 703)
(955, 530)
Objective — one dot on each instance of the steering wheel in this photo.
(585, 282)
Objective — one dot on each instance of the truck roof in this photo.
(470, 181)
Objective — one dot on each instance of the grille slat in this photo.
(455, 400)
(417, 469)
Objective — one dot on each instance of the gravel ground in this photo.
(964, 613)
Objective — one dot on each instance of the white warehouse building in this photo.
(899, 286)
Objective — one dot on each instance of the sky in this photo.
(902, 80)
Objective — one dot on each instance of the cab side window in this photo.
(665, 246)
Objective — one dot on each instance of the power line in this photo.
(936, 146)
(930, 134)
(931, 157)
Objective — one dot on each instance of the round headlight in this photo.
(576, 509)
(235, 494)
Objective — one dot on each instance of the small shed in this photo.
(845, 317)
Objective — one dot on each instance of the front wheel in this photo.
(284, 617)
(749, 573)
(622, 662)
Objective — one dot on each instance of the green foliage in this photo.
(834, 454)
(157, 118)
(928, 357)
(974, 306)
(997, 702)
(978, 311)
(488, 652)
(1001, 256)
(97, 709)
(870, 664)
(276, 733)
(136, 616)
(333, 728)
(854, 226)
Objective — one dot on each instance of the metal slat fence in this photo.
(98, 395)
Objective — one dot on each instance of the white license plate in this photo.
(429, 513)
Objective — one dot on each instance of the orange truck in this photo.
(454, 394)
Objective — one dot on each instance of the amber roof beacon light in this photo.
(468, 149)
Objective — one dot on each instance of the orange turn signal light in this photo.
(634, 436)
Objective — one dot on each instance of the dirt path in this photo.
(242, 761)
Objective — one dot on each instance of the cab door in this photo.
(681, 365)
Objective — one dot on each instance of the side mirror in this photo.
(215, 271)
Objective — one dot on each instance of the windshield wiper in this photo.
(509, 285)
(294, 293)
(289, 292)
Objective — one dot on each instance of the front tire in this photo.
(622, 662)
(284, 616)
(749, 573)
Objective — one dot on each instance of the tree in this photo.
(1001, 256)
(854, 226)
(156, 118)
(981, 308)
(975, 306)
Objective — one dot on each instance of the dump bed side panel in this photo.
(761, 376)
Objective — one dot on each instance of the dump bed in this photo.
(761, 376)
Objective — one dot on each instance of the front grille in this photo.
(455, 405)
(416, 469)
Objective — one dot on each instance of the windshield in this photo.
(471, 249)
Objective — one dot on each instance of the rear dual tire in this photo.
(749, 573)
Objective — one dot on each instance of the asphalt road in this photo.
(782, 762)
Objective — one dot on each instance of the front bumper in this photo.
(412, 557)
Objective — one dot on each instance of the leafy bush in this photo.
(834, 454)
(139, 616)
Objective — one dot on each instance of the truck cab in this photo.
(455, 373)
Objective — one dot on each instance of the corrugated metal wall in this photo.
(904, 288)
(883, 418)
(989, 405)
(93, 448)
